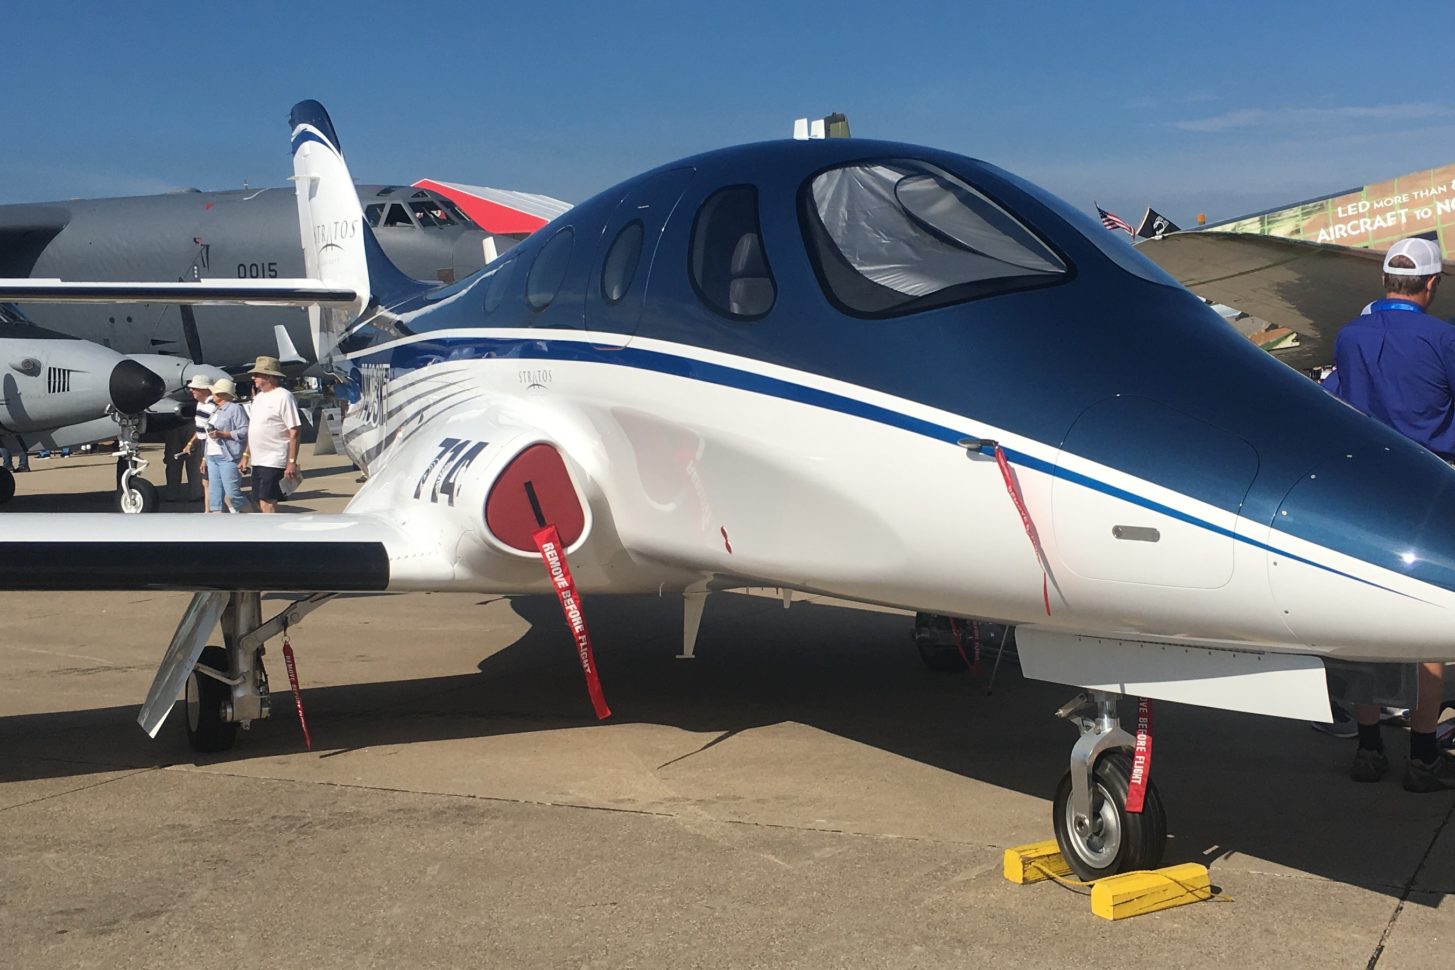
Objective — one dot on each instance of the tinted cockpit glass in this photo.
(1115, 248)
(457, 212)
(898, 236)
(397, 218)
(431, 214)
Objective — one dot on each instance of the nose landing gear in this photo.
(134, 494)
(1097, 836)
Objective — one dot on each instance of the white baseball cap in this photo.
(1422, 252)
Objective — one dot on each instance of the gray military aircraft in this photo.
(51, 383)
(191, 235)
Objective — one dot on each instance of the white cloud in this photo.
(1305, 117)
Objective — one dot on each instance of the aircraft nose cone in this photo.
(1389, 505)
(134, 388)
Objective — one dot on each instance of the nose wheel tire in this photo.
(1116, 840)
(206, 701)
(139, 496)
(7, 485)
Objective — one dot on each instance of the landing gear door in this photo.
(621, 272)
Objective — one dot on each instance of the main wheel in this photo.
(140, 497)
(206, 701)
(7, 485)
(1117, 841)
(935, 641)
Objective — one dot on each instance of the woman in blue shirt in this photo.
(227, 434)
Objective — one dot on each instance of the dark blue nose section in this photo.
(134, 388)
(1385, 501)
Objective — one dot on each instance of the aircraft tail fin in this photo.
(338, 245)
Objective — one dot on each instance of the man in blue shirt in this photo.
(1396, 363)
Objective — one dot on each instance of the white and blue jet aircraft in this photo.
(871, 370)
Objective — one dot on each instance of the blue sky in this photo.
(1221, 108)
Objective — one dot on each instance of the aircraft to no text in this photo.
(865, 369)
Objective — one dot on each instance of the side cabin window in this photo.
(620, 266)
(499, 283)
(729, 267)
(548, 271)
(893, 237)
(372, 213)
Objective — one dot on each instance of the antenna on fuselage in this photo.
(835, 125)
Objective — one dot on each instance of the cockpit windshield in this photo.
(455, 211)
(1110, 243)
(898, 236)
(431, 215)
(423, 209)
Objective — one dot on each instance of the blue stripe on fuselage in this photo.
(410, 356)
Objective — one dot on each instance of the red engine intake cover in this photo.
(534, 490)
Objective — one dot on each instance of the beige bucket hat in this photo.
(268, 366)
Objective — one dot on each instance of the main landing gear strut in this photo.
(1097, 835)
(224, 687)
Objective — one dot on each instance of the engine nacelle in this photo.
(49, 381)
(175, 372)
(483, 491)
(506, 491)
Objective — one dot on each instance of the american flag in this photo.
(1114, 222)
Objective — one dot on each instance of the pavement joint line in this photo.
(73, 791)
(1276, 874)
(1408, 888)
(90, 762)
(542, 803)
(54, 653)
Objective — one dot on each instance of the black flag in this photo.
(1155, 224)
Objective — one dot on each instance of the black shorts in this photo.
(268, 484)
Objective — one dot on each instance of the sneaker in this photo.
(1342, 726)
(1370, 766)
(1437, 775)
(1399, 716)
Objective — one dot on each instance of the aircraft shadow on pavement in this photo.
(1234, 785)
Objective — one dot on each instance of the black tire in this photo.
(1126, 842)
(939, 657)
(143, 498)
(934, 638)
(204, 703)
(7, 485)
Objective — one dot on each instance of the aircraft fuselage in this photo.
(1179, 479)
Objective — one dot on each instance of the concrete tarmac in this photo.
(804, 794)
